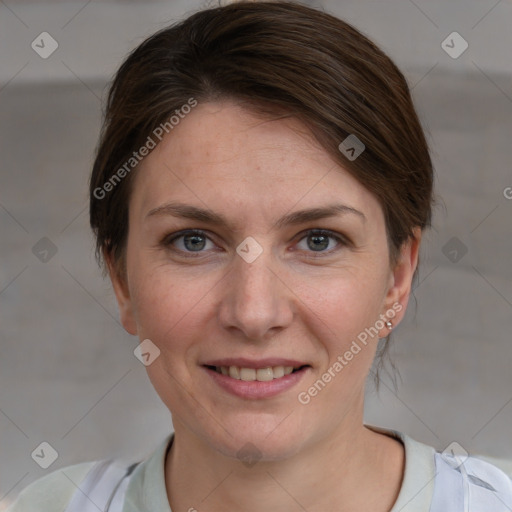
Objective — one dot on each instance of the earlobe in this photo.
(402, 276)
(122, 292)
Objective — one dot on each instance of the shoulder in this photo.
(479, 471)
(53, 491)
(449, 481)
(479, 483)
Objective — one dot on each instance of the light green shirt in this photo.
(147, 492)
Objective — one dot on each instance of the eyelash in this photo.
(169, 239)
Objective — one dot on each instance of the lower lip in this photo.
(257, 389)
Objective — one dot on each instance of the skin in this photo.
(287, 303)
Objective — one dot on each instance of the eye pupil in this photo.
(198, 242)
(324, 242)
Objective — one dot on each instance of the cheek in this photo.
(169, 308)
(342, 314)
(345, 302)
(166, 310)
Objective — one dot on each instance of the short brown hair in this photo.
(276, 57)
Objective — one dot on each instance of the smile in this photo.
(257, 382)
(251, 374)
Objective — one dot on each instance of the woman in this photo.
(258, 198)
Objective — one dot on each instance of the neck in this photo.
(351, 469)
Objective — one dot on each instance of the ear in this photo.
(120, 284)
(401, 277)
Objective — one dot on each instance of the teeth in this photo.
(247, 374)
(278, 371)
(234, 373)
(264, 374)
(252, 374)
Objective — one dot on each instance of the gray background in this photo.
(68, 374)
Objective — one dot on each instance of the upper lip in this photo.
(242, 362)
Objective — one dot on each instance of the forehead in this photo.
(221, 136)
(225, 157)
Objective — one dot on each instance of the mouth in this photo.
(264, 374)
(252, 380)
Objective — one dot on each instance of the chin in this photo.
(254, 440)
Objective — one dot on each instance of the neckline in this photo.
(417, 487)
(416, 491)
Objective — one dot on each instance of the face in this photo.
(252, 283)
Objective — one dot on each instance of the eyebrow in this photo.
(186, 211)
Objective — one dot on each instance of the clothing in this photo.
(425, 472)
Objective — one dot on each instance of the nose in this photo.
(256, 299)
